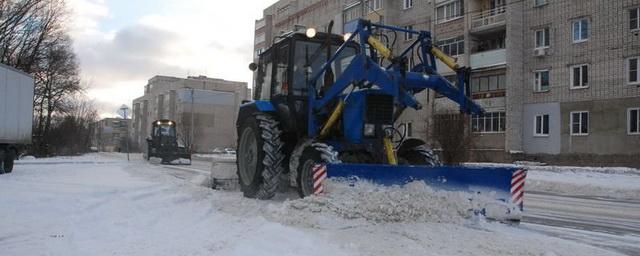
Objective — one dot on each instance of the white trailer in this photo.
(16, 114)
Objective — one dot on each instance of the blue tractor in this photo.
(326, 105)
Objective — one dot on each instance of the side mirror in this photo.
(253, 66)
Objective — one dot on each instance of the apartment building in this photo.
(558, 78)
(110, 135)
(204, 108)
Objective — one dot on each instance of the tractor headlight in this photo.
(369, 129)
(346, 36)
(311, 32)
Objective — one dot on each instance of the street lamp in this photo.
(191, 128)
(124, 110)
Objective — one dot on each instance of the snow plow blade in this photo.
(505, 184)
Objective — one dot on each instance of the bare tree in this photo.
(185, 130)
(71, 131)
(34, 38)
(449, 130)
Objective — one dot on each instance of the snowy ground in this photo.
(101, 205)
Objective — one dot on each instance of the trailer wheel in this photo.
(316, 153)
(2, 156)
(420, 155)
(8, 161)
(260, 157)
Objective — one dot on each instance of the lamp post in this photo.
(124, 110)
(191, 128)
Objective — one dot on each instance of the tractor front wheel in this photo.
(314, 154)
(419, 155)
(260, 157)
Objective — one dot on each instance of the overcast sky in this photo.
(122, 43)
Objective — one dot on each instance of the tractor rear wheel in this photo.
(260, 157)
(419, 155)
(314, 154)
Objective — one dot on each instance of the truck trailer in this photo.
(16, 114)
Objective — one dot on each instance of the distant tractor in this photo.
(163, 143)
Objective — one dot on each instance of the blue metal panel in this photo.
(264, 106)
(352, 118)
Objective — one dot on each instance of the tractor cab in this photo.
(164, 130)
(285, 69)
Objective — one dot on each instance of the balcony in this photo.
(489, 20)
(488, 59)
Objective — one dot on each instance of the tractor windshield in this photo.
(313, 55)
(165, 130)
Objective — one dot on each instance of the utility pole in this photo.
(124, 113)
(191, 139)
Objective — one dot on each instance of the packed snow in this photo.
(413, 202)
(102, 205)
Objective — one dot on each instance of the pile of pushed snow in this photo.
(413, 202)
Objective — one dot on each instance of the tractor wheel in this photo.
(10, 156)
(419, 155)
(316, 153)
(260, 157)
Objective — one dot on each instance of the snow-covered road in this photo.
(102, 205)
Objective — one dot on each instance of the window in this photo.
(542, 38)
(634, 19)
(580, 30)
(541, 81)
(491, 122)
(259, 38)
(633, 76)
(452, 46)
(580, 123)
(408, 36)
(352, 12)
(449, 11)
(579, 76)
(281, 86)
(374, 5)
(407, 4)
(633, 125)
(541, 125)
(539, 2)
(488, 83)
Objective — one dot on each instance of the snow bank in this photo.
(413, 202)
